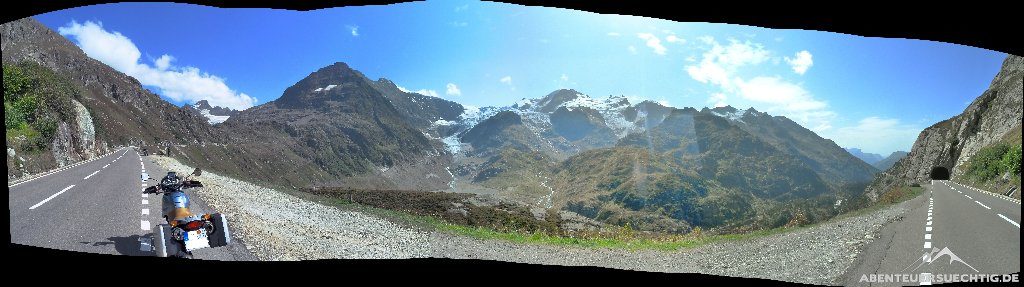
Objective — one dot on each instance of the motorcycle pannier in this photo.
(221, 235)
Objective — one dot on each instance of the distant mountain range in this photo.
(890, 160)
(652, 166)
(870, 158)
(214, 115)
(644, 164)
(876, 160)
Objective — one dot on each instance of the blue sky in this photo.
(872, 93)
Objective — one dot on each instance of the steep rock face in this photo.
(45, 126)
(950, 143)
(126, 113)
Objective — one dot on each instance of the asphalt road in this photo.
(98, 207)
(980, 231)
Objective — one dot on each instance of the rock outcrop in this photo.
(951, 143)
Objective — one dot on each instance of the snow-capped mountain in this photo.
(214, 115)
(565, 121)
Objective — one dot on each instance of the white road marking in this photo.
(927, 236)
(59, 170)
(968, 196)
(91, 174)
(1011, 221)
(145, 225)
(144, 195)
(929, 214)
(927, 244)
(929, 228)
(145, 211)
(145, 201)
(51, 197)
(929, 223)
(929, 218)
(105, 166)
(982, 205)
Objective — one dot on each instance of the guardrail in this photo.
(993, 194)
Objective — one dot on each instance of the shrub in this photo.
(989, 163)
(1011, 160)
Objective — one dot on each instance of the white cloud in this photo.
(164, 62)
(452, 90)
(354, 30)
(719, 66)
(717, 100)
(801, 62)
(614, 34)
(876, 135)
(424, 92)
(632, 49)
(788, 99)
(653, 42)
(506, 80)
(707, 40)
(675, 39)
(720, 62)
(187, 84)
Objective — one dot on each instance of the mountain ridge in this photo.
(951, 143)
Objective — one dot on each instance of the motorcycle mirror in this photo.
(197, 172)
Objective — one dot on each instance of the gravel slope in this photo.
(815, 255)
(268, 220)
(278, 226)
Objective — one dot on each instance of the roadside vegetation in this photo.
(36, 101)
(996, 167)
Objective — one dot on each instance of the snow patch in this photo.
(324, 89)
(452, 144)
(212, 119)
(442, 122)
(451, 184)
(736, 116)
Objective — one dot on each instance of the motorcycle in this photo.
(185, 231)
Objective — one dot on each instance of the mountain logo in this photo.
(934, 254)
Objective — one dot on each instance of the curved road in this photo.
(98, 207)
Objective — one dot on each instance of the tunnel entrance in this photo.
(940, 173)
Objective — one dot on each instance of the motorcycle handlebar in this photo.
(186, 184)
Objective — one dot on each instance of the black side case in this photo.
(221, 235)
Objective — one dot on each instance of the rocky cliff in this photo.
(117, 109)
(951, 143)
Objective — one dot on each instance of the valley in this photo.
(367, 169)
